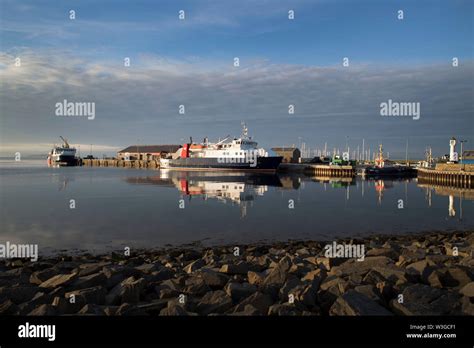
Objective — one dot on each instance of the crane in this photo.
(66, 144)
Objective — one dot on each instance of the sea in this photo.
(98, 209)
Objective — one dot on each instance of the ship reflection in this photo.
(229, 188)
(242, 189)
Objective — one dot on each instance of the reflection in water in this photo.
(242, 188)
(141, 208)
(236, 188)
(452, 193)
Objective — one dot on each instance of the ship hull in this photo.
(64, 160)
(264, 164)
(390, 171)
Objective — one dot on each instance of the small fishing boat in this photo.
(383, 167)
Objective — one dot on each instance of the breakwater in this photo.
(424, 274)
(153, 164)
(454, 175)
(319, 169)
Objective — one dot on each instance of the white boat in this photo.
(240, 154)
(62, 155)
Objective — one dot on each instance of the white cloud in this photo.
(140, 103)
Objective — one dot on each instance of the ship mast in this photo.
(245, 131)
(66, 144)
(380, 160)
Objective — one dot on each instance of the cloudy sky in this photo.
(190, 62)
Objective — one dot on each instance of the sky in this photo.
(190, 62)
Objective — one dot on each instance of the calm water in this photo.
(144, 208)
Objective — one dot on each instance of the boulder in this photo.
(468, 290)
(43, 310)
(196, 286)
(41, 276)
(239, 291)
(194, 266)
(59, 280)
(128, 291)
(248, 310)
(149, 268)
(258, 300)
(89, 281)
(239, 268)
(420, 299)
(255, 278)
(8, 308)
(214, 302)
(355, 303)
(18, 294)
(91, 309)
(213, 279)
(93, 295)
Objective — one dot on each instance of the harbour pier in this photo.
(453, 175)
(319, 169)
(152, 164)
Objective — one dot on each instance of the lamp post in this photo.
(462, 157)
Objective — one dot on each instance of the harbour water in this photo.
(75, 209)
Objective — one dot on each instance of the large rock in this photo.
(258, 300)
(153, 307)
(42, 276)
(459, 276)
(91, 268)
(214, 302)
(149, 268)
(174, 310)
(44, 310)
(361, 267)
(59, 280)
(278, 275)
(355, 303)
(388, 252)
(89, 281)
(292, 282)
(8, 308)
(255, 278)
(194, 266)
(18, 294)
(238, 268)
(239, 291)
(468, 290)
(91, 309)
(215, 280)
(420, 299)
(369, 291)
(93, 295)
(283, 310)
(128, 291)
(196, 286)
(126, 309)
(248, 310)
(316, 277)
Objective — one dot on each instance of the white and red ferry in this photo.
(228, 154)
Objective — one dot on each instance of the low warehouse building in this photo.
(146, 152)
(289, 154)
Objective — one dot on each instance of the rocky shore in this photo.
(428, 274)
